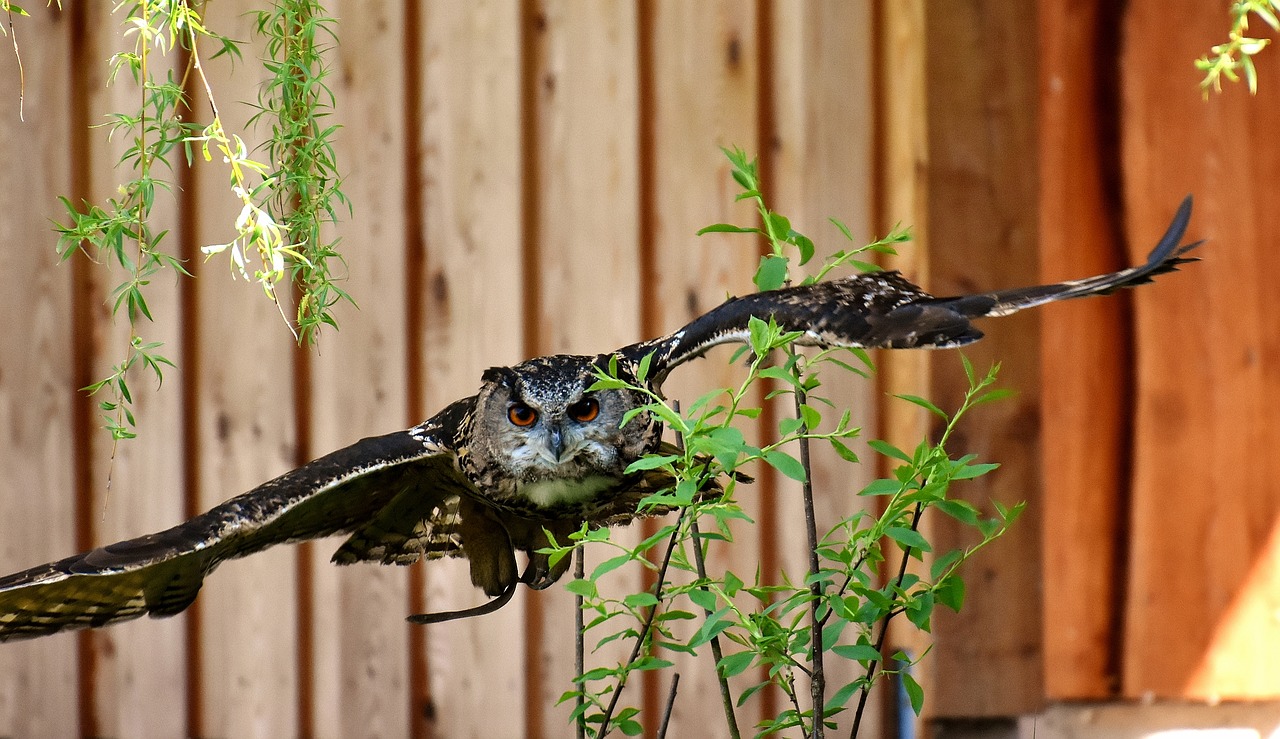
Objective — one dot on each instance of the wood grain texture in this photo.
(140, 668)
(37, 679)
(705, 95)
(248, 609)
(1203, 583)
(902, 200)
(587, 264)
(1086, 352)
(359, 388)
(470, 170)
(818, 165)
(983, 235)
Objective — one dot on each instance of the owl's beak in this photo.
(556, 442)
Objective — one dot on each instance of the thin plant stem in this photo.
(643, 636)
(580, 649)
(726, 698)
(884, 630)
(817, 678)
(670, 706)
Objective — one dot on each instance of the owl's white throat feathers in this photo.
(555, 491)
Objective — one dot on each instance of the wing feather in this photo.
(883, 310)
(160, 574)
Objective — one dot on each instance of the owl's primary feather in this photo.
(533, 451)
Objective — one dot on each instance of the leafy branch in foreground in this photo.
(778, 627)
(1235, 57)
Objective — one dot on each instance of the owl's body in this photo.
(535, 450)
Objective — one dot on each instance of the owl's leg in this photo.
(488, 547)
(532, 536)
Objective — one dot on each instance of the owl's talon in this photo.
(485, 608)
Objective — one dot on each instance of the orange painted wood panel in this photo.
(982, 225)
(1086, 351)
(1203, 581)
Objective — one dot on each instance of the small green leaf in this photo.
(882, 486)
(925, 404)
(705, 599)
(908, 537)
(728, 228)
(845, 452)
(609, 565)
(585, 588)
(971, 471)
(889, 450)
(914, 692)
(960, 510)
(645, 600)
(786, 464)
(736, 664)
(772, 273)
(859, 652)
(950, 593)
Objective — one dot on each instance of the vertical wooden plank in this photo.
(902, 169)
(584, 76)
(248, 610)
(588, 272)
(1203, 582)
(1085, 351)
(819, 165)
(705, 96)
(361, 663)
(470, 171)
(139, 677)
(38, 695)
(982, 223)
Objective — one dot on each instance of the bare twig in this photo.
(817, 683)
(580, 649)
(726, 698)
(671, 704)
(643, 636)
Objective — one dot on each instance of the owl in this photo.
(535, 452)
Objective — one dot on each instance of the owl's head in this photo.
(539, 422)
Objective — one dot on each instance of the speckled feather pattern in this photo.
(471, 482)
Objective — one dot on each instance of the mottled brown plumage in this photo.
(534, 449)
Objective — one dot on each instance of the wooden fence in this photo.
(527, 178)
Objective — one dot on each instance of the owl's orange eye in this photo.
(521, 414)
(584, 410)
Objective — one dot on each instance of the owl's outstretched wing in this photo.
(884, 310)
(160, 574)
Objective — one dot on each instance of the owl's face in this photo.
(548, 438)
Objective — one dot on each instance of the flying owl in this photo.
(535, 450)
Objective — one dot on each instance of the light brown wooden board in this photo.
(38, 692)
(360, 658)
(472, 295)
(245, 434)
(585, 252)
(137, 679)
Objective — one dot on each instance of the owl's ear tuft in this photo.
(504, 376)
